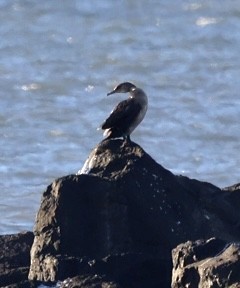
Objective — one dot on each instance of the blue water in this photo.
(60, 58)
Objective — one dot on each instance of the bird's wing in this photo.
(125, 112)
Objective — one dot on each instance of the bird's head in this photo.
(123, 88)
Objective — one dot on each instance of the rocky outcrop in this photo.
(206, 264)
(125, 207)
(15, 259)
(116, 222)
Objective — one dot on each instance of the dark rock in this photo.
(88, 281)
(206, 263)
(124, 203)
(233, 188)
(232, 201)
(122, 270)
(15, 259)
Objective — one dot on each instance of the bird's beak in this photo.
(112, 92)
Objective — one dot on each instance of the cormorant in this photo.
(127, 114)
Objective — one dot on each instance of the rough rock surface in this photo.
(116, 222)
(125, 206)
(121, 270)
(15, 259)
(206, 264)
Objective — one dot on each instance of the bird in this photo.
(127, 115)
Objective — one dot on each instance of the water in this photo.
(60, 58)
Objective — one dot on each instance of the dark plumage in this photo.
(127, 114)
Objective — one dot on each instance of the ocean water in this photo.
(60, 58)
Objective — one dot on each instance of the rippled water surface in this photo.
(60, 58)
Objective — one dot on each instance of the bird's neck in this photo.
(138, 94)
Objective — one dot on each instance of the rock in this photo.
(233, 188)
(206, 264)
(87, 281)
(122, 270)
(15, 259)
(124, 203)
(231, 203)
(83, 216)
